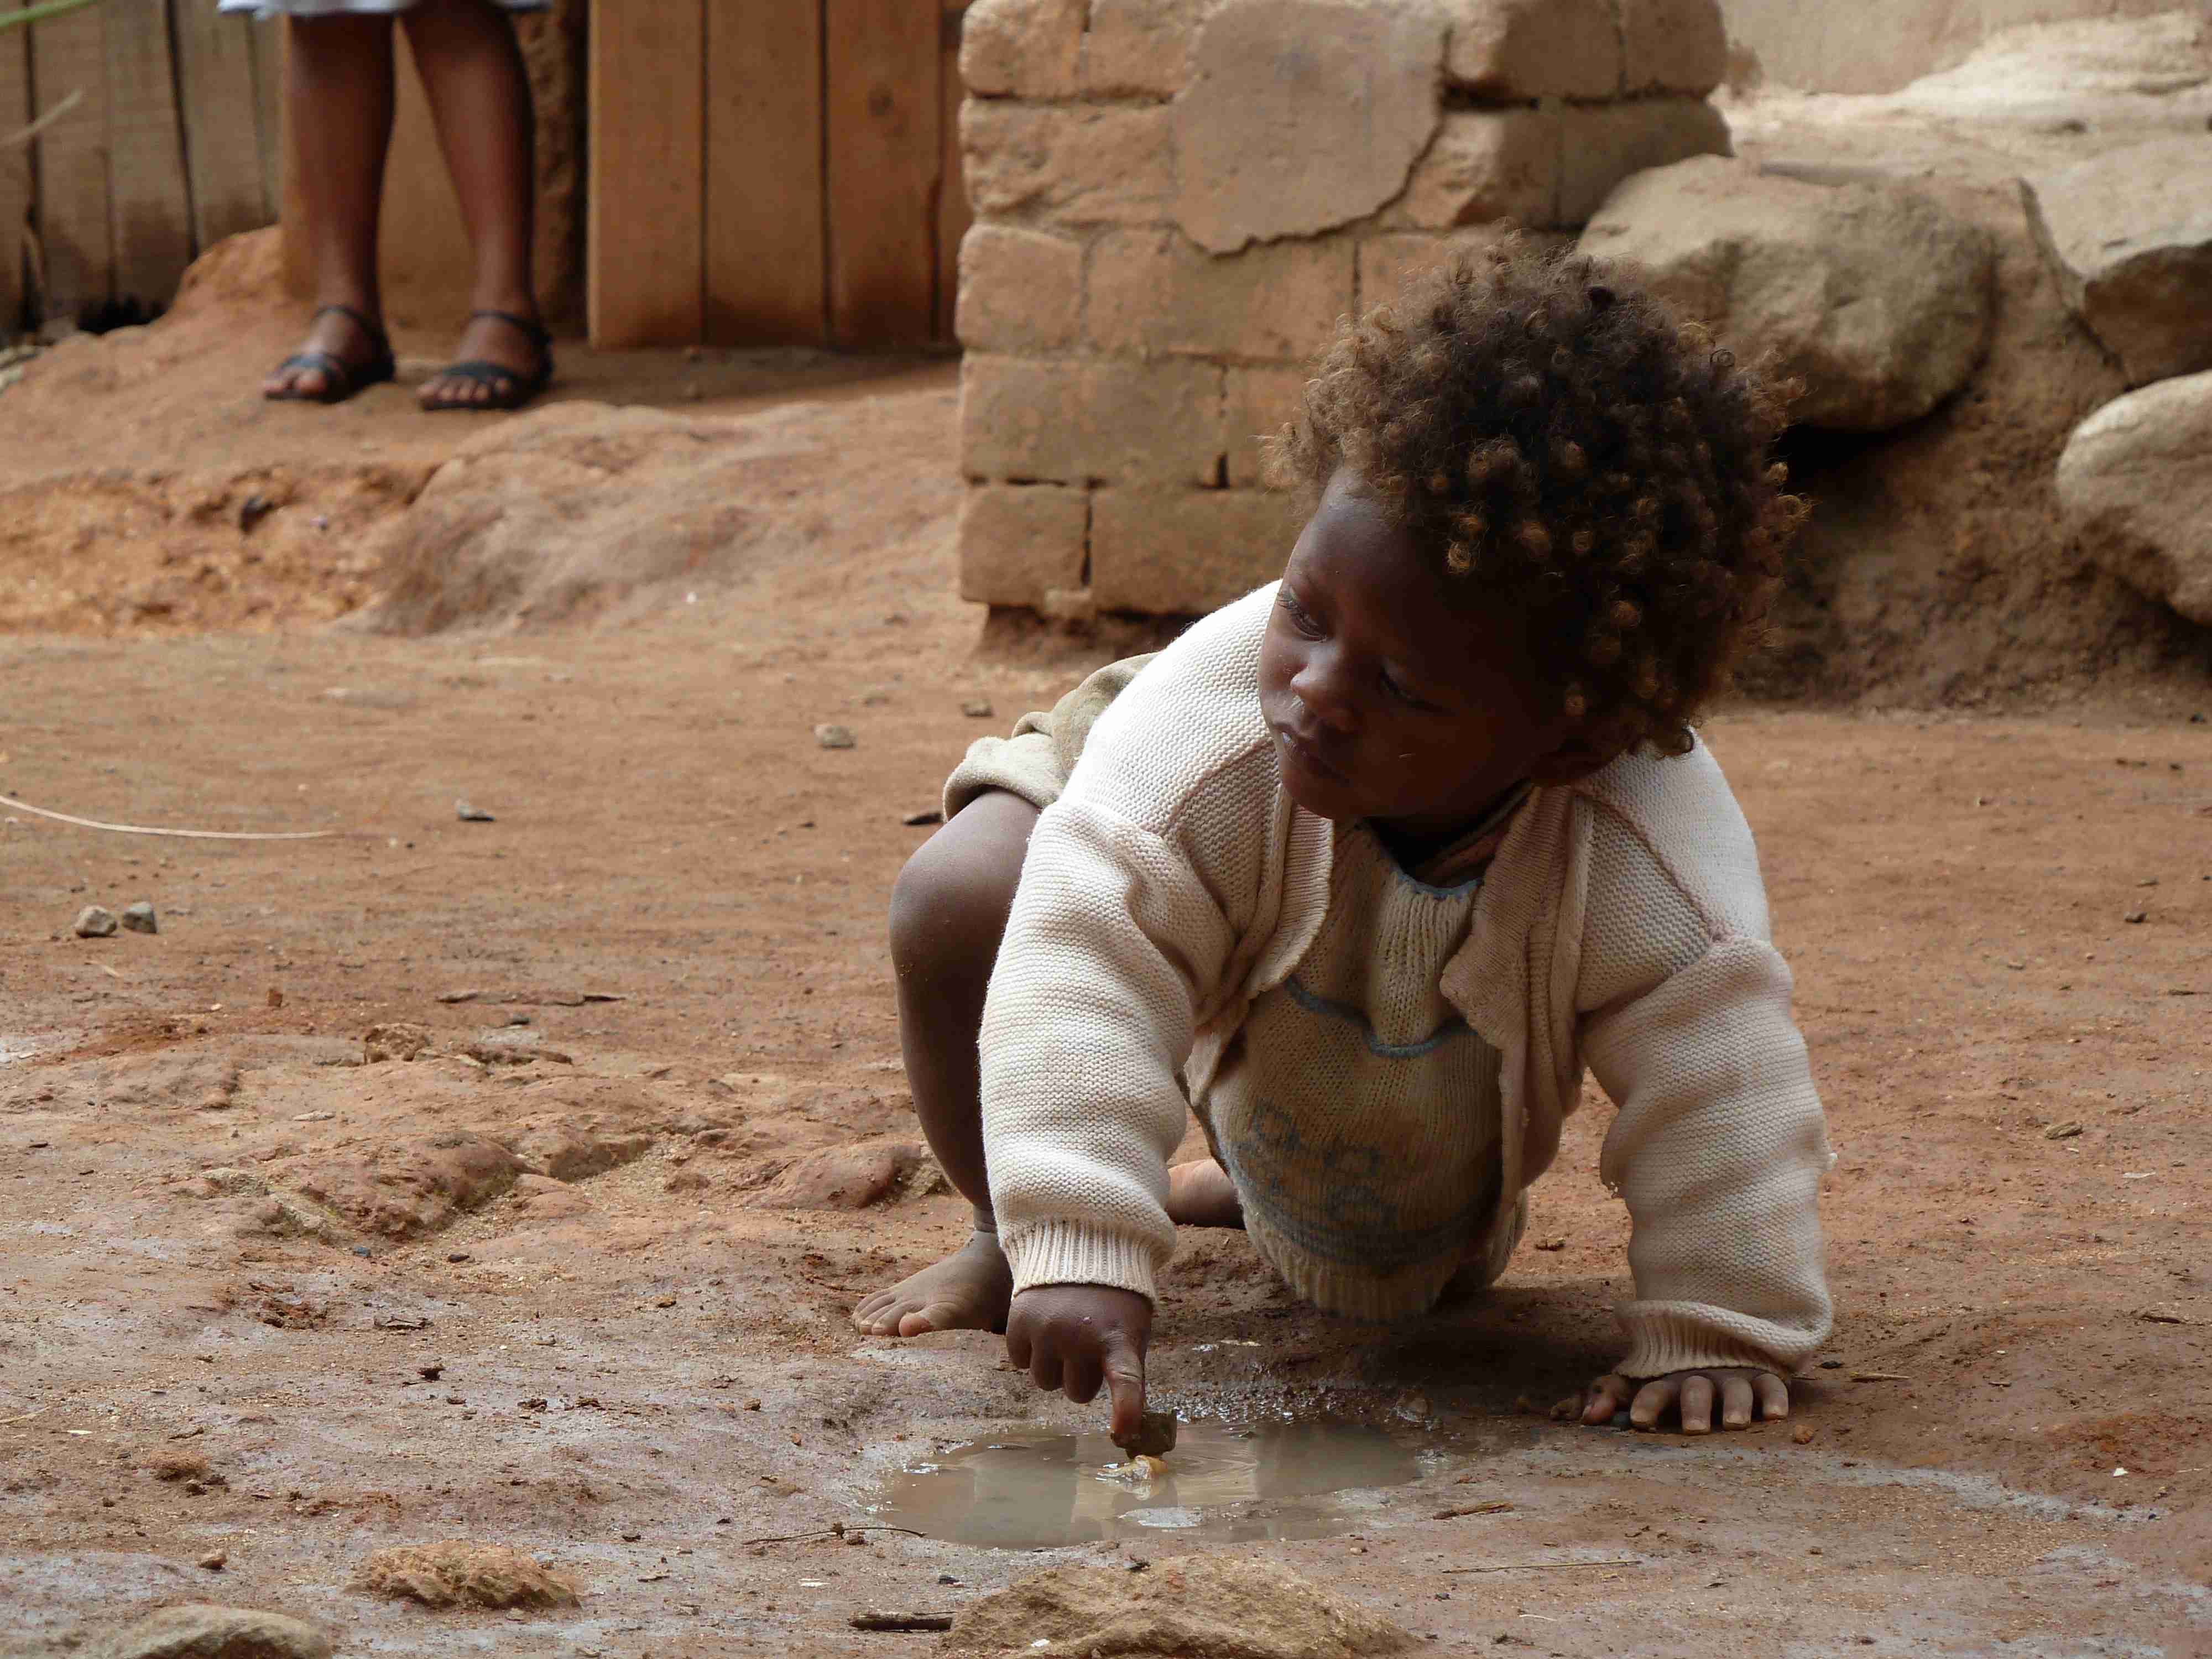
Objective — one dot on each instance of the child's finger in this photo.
(1736, 1402)
(1045, 1369)
(1652, 1401)
(1696, 1404)
(1083, 1378)
(1125, 1384)
(1773, 1395)
(1606, 1397)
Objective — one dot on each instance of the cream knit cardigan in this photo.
(1173, 882)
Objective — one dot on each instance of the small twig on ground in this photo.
(1880, 1376)
(1552, 1566)
(1496, 1506)
(905, 1622)
(839, 1530)
(189, 835)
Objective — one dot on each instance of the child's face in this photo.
(1394, 695)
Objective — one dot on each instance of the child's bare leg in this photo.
(1201, 1194)
(948, 914)
(479, 92)
(340, 88)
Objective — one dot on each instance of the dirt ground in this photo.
(658, 1141)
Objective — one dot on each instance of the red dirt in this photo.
(1954, 894)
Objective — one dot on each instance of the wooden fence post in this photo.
(884, 108)
(646, 266)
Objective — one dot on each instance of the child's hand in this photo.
(1745, 1392)
(1076, 1336)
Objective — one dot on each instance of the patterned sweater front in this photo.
(1184, 933)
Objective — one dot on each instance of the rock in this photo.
(834, 737)
(394, 1040)
(1222, 1606)
(461, 1573)
(190, 1078)
(139, 918)
(840, 1178)
(468, 814)
(1300, 116)
(201, 1630)
(2136, 486)
(1155, 1435)
(2129, 235)
(95, 921)
(978, 709)
(2067, 1131)
(214, 1560)
(925, 815)
(1877, 298)
(415, 1187)
(575, 1149)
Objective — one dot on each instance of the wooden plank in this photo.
(223, 124)
(645, 263)
(15, 171)
(151, 209)
(70, 54)
(954, 215)
(883, 109)
(266, 42)
(765, 258)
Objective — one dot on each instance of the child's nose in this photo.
(1321, 688)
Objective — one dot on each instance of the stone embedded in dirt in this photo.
(840, 1177)
(834, 737)
(2062, 1132)
(201, 1630)
(574, 1149)
(978, 709)
(2129, 235)
(2137, 494)
(468, 814)
(1222, 1606)
(177, 1466)
(95, 921)
(407, 1190)
(193, 1078)
(214, 1560)
(394, 1040)
(927, 815)
(1813, 274)
(460, 1573)
(139, 918)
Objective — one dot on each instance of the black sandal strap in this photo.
(338, 378)
(536, 333)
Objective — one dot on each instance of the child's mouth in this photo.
(1308, 758)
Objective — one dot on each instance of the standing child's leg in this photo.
(948, 914)
(479, 93)
(340, 88)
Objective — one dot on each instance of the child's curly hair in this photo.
(1557, 436)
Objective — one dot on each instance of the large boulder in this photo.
(201, 1630)
(1876, 297)
(2136, 483)
(2129, 234)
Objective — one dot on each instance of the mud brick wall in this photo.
(1177, 201)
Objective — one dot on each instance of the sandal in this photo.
(341, 378)
(522, 385)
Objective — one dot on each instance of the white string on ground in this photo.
(188, 834)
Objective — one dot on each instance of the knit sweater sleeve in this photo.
(1719, 1145)
(1139, 882)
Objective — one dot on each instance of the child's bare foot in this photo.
(1201, 1194)
(969, 1291)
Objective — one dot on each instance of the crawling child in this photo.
(1368, 865)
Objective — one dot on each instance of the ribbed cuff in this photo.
(1069, 1253)
(1665, 1339)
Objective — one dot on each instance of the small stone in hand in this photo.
(1155, 1435)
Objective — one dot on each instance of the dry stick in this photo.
(189, 835)
(1549, 1566)
(838, 1531)
(900, 1621)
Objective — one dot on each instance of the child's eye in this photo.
(1301, 619)
(1390, 683)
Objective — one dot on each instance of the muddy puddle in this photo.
(1040, 1489)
